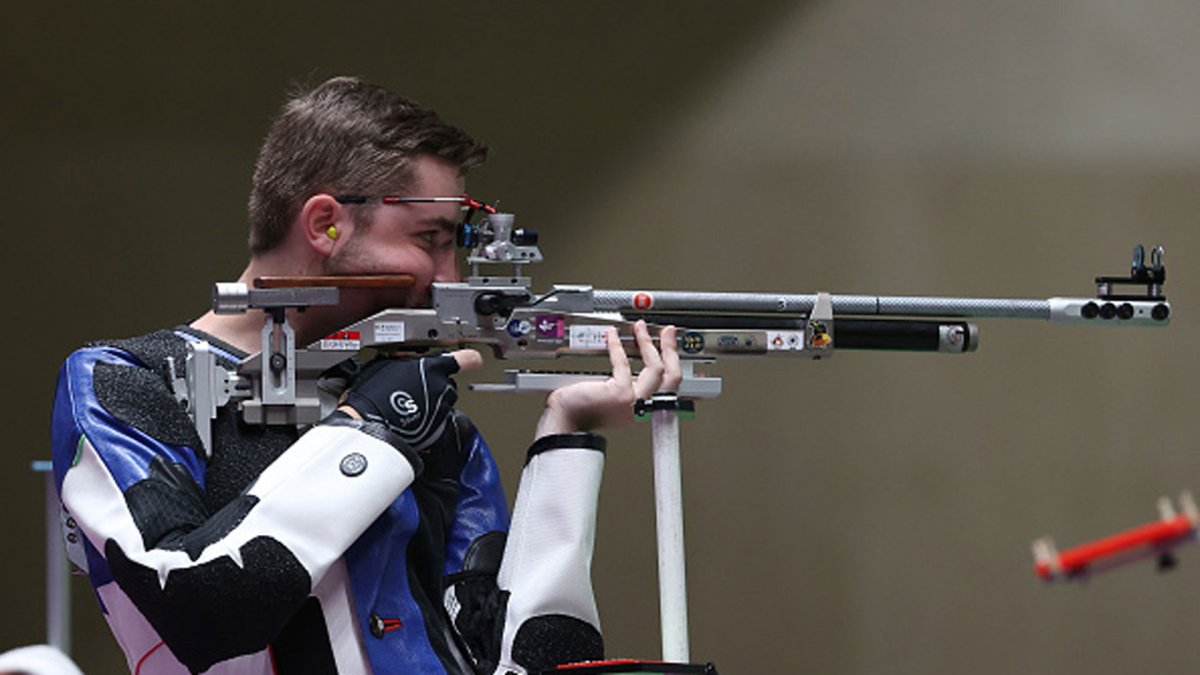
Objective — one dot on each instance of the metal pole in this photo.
(58, 572)
(668, 501)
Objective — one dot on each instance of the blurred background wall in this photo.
(868, 514)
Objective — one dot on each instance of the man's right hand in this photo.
(411, 396)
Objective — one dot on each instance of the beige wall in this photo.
(867, 514)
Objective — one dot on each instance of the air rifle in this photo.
(278, 385)
(282, 383)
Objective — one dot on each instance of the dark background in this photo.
(869, 514)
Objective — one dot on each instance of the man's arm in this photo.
(212, 584)
(525, 604)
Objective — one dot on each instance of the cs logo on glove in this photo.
(405, 407)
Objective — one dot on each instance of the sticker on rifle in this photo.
(519, 327)
(549, 326)
(588, 337)
(820, 334)
(785, 340)
(389, 331)
(691, 342)
(342, 341)
(643, 301)
(954, 336)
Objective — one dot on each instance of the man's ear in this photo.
(323, 221)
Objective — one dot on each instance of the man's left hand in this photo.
(586, 406)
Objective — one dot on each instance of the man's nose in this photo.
(446, 268)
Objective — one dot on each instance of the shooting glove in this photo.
(412, 397)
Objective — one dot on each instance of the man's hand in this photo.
(586, 406)
(412, 396)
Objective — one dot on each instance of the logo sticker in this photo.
(405, 406)
(343, 340)
(550, 326)
(820, 334)
(691, 342)
(643, 301)
(785, 340)
(519, 327)
(353, 464)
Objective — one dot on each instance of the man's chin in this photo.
(403, 301)
(422, 303)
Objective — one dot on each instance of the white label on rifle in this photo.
(785, 340)
(587, 337)
(389, 331)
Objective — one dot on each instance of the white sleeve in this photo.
(550, 616)
(315, 500)
(228, 586)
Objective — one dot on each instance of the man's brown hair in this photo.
(345, 137)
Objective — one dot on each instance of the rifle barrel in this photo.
(846, 305)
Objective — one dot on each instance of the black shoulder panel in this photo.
(152, 349)
(240, 453)
(166, 504)
(169, 509)
(139, 398)
(215, 528)
(546, 641)
(217, 610)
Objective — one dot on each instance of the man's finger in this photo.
(649, 354)
(616, 357)
(672, 372)
(650, 378)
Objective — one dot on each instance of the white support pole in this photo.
(668, 500)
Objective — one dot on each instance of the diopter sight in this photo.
(495, 240)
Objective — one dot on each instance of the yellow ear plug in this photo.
(332, 232)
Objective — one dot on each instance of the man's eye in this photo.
(436, 240)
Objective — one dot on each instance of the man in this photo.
(374, 541)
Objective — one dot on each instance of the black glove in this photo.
(413, 397)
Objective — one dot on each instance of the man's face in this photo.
(407, 238)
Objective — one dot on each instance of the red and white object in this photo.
(1155, 539)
